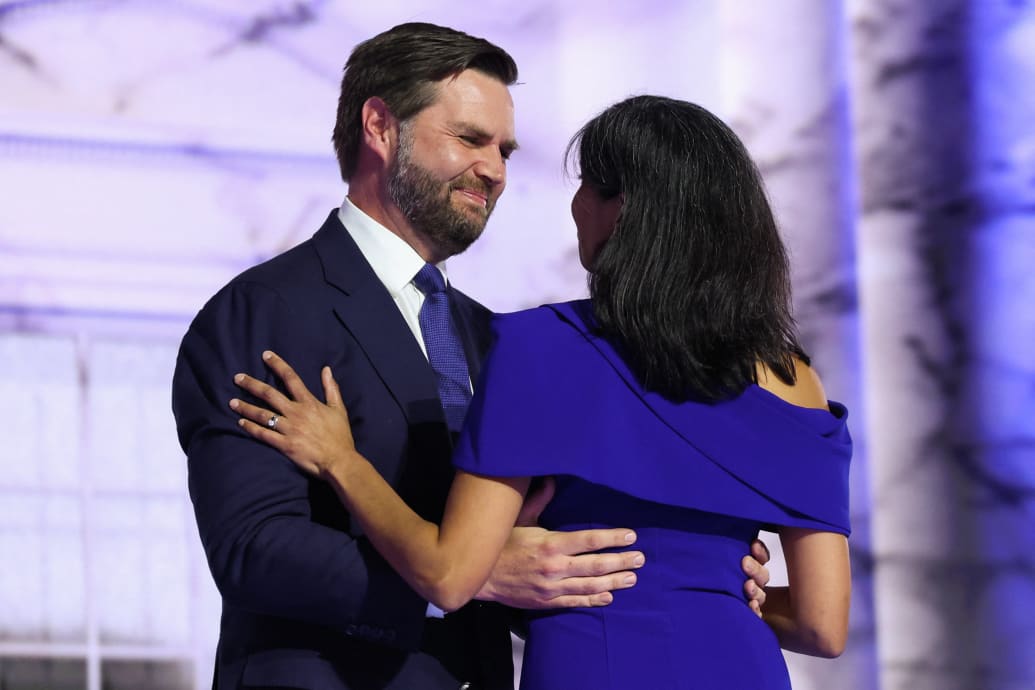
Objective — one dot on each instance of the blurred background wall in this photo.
(151, 150)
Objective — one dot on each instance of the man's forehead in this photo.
(484, 105)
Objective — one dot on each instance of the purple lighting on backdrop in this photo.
(149, 151)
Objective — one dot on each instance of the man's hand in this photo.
(539, 569)
(754, 567)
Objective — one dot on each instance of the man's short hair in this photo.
(401, 67)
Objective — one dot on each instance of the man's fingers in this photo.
(760, 552)
(756, 597)
(592, 586)
(755, 570)
(758, 573)
(588, 540)
(754, 588)
(753, 592)
(541, 569)
(580, 591)
(581, 601)
(592, 565)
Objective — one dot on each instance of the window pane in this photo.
(33, 674)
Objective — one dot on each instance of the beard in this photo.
(427, 201)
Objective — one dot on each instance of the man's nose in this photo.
(492, 168)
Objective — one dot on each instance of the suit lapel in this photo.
(367, 311)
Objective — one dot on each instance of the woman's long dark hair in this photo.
(693, 285)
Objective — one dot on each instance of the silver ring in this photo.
(272, 422)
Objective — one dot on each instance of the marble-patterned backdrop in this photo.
(945, 141)
(151, 150)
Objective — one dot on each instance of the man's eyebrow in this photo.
(510, 145)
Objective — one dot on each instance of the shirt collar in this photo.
(394, 261)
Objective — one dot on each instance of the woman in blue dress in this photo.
(677, 401)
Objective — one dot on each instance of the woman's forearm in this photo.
(446, 565)
(403, 538)
(810, 616)
(795, 635)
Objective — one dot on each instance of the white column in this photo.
(945, 106)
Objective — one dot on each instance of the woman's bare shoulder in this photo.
(807, 390)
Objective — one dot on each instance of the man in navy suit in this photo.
(425, 125)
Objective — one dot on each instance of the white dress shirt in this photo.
(395, 263)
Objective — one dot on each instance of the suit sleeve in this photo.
(267, 551)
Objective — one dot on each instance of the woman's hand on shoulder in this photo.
(317, 436)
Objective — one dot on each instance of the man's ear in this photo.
(380, 128)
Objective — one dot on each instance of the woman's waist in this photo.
(649, 607)
(680, 560)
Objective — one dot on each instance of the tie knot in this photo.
(429, 280)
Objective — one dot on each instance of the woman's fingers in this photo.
(292, 381)
(311, 433)
(330, 388)
(279, 442)
(256, 421)
(276, 400)
(259, 415)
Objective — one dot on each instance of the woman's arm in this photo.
(810, 615)
(447, 565)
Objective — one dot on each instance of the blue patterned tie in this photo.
(445, 351)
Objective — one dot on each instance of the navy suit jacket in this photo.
(307, 602)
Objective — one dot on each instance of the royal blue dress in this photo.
(696, 481)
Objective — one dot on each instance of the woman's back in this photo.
(695, 481)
